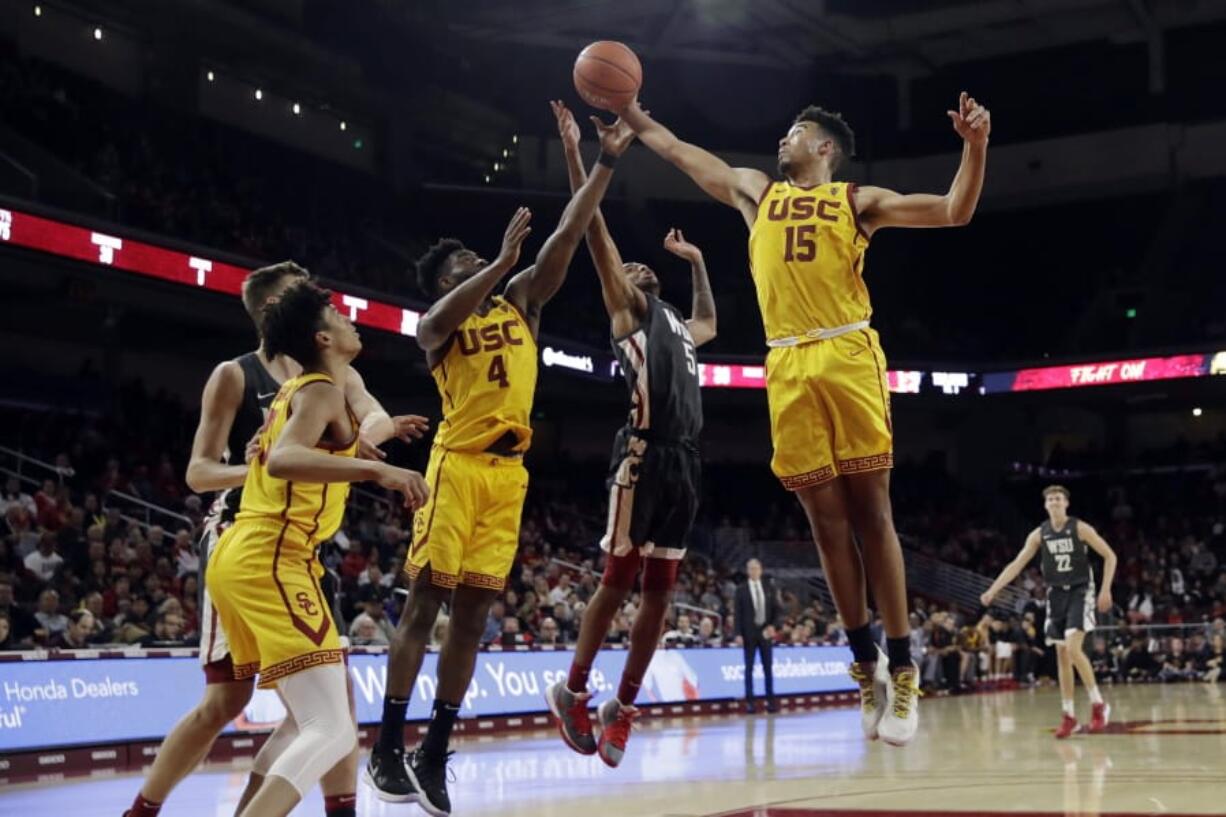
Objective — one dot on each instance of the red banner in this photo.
(1119, 371)
(69, 241)
(81, 243)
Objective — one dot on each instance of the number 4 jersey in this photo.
(1065, 556)
(486, 380)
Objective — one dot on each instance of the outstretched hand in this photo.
(568, 128)
(513, 238)
(972, 121)
(410, 427)
(614, 138)
(405, 427)
(675, 243)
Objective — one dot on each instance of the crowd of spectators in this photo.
(80, 566)
(80, 570)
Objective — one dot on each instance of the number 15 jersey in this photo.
(487, 379)
(806, 253)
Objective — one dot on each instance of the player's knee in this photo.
(620, 572)
(659, 578)
(328, 741)
(466, 627)
(419, 617)
(223, 703)
(832, 533)
(325, 734)
(874, 518)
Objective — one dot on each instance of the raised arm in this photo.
(1015, 567)
(879, 207)
(623, 301)
(702, 308)
(223, 393)
(1100, 546)
(531, 289)
(294, 456)
(448, 312)
(739, 187)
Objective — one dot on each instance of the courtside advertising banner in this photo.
(58, 703)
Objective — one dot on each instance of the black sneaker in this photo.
(388, 775)
(429, 776)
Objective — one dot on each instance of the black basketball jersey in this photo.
(259, 389)
(661, 371)
(1065, 556)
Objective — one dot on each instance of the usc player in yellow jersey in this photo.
(263, 576)
(481, 348)
(233, 409)
(825, 372)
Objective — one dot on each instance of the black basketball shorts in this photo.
(654, 488)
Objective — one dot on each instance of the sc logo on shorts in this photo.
(307, 606)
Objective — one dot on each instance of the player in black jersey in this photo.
(1064, 542)
(655, 474)
(232, 410)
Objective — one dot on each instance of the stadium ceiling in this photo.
(904, 37)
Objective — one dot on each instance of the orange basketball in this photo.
(608, 75)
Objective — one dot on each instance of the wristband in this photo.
(606, 159)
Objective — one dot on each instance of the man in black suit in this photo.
(756, 611)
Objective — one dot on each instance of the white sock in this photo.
(1096, 697)
(1067, 706)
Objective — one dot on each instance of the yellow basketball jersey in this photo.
(313, 510)
(806, 253)
(487, 379)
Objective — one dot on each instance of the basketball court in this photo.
(1165, 753)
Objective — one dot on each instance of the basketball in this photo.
(608, 75)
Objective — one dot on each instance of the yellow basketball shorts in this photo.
(468, 531)
(829, 408)
(263, 579)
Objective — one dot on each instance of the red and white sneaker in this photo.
(1101, 717)
(570, 711)
(1068, 725)
(616, 720)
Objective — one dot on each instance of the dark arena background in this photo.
(154, 152)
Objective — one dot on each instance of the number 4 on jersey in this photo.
(498, 372)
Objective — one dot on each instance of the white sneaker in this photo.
(901, 717)
(873, 690)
